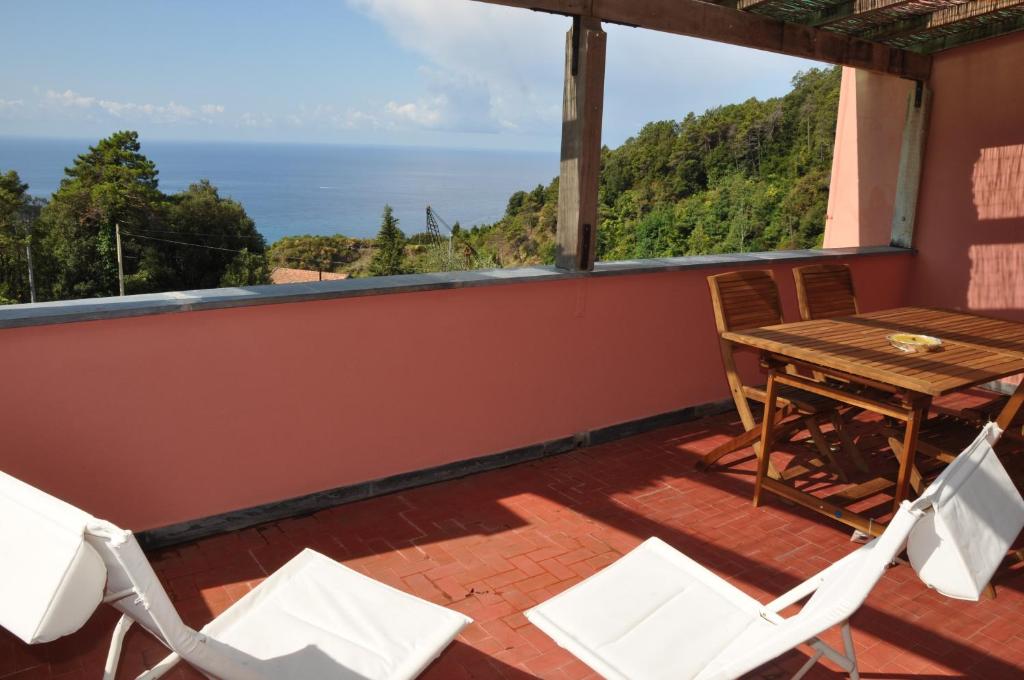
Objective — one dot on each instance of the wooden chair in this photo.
(825, 291)
(749, 299)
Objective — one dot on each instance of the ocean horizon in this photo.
(323, 189)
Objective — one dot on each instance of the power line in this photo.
(170, 231)
(230, 250)
(183, 243)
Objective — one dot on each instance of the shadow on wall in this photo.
(998, 183)
(995, 280)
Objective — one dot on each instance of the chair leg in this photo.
(749, 438)
(851, 652)
(808, 665)
(847, 659)
(846, 441)
(823, 447)
(735, 444)
(162, 668)
(116, 642)
(916, 481)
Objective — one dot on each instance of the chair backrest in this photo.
(824, 291)
(976, 515)
(57, 565)
(745, 299)
(742, 299)
(51, 579)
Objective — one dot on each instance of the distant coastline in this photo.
(320, 189)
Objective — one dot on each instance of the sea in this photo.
(290, 189)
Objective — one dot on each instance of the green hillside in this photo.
(743, 177)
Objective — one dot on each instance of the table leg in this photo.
(1013, 405)
(767, 433)
(918, 412)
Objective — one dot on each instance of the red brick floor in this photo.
(495, 544)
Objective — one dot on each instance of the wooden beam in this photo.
(908, 181)
(949, 40)
(945, 18)
(851, 8)
(582, 111)
(722, 24)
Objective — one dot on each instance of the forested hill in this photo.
(744, 177)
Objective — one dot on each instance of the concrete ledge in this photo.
(14, 316)
(307, 505)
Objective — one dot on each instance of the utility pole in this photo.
(120, 262)
(31, 274)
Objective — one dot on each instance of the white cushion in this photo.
(315, 618)
(977, 514)
(51, 580)
(653, 614)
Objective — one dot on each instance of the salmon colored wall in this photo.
(154, 420)
(869, 131)
(970, 220)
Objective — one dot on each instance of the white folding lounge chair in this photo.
(313, 618)
(656, 613)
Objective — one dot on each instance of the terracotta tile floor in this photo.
(494, 544)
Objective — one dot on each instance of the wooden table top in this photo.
(975, 349)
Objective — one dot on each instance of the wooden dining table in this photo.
(855, 351)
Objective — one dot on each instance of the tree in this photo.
(19, 215)
(113, 183)
(246, 269)
(215, 229)
(389, 256)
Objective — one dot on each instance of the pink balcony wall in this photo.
(155, 420)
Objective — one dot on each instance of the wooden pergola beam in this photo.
(945, 18)
(722, 24)
(851, 8)
(968, 35)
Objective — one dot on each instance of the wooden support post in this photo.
(582, 110)
(915, 132)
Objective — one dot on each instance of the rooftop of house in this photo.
(494, 544)
(288, 275)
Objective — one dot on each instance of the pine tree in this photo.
(113, 183)
(389, 256)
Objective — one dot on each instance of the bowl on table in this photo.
(914, 343)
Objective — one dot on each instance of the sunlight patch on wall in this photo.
(999, 182)
(996, 280)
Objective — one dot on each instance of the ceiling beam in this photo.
(973, 34)
(940, 19)
(722, 24)
(850, 8)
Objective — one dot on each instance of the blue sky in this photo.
(427, 72)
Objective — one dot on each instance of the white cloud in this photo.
(491, 68)
(10, 105)
(512, 61)
(256, 120)
(330, 117)
(171, 112)
(425, 113)
(69, 99)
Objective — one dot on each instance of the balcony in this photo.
(486, 439)
(496, 543)
(572, 384)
